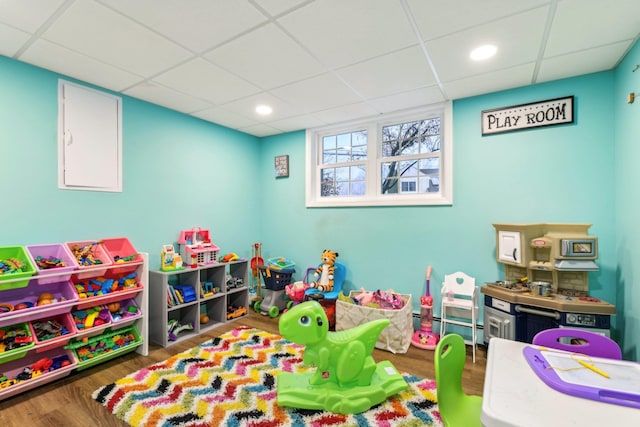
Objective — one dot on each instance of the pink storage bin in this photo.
(96, 252)
(45, 341)
(58, 251)
(126, 315)
(98, 327)
(122, 252)
(63, 293)
(12, 369)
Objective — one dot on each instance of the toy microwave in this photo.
(577, 247)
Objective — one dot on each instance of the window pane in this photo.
(359, 137)
(430, 166)
(358, 173)
(389, 186)
(329, 143)
(358, 188)
(430, 144)
(342, 174)
(329, 157)
(359, 153)
(344, 141)
(409, 168)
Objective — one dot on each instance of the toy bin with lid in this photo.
(14, 264)
(51, 259)
(91, 258)
(36, 301)
(15, 341)
(122, 252)
(123, 313)
(50, 332)
(36, 369)
(91, 321)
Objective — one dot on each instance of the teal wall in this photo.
(178, 172)
(553, 174)
(627, 202)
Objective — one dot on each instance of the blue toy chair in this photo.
(339, 274)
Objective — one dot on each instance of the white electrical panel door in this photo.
(90, 145)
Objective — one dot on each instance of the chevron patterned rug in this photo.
(231, 381)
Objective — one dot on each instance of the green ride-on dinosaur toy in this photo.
(347, 380)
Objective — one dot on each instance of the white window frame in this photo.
(373, 196)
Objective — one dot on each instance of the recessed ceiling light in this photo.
(483, 52)
(263, 110)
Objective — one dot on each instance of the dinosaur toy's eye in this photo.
(304, 320)
(319, 321)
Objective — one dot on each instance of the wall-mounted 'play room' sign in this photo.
(536, 114)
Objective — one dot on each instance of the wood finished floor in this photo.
(67, 402)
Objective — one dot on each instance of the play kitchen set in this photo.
(546, 282)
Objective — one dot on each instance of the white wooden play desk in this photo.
(514, 395)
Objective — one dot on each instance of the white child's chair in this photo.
(460, 305)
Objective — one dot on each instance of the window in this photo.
(395, 160)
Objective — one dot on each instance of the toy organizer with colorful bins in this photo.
(76, 293)
(194, 300)
(196, 248)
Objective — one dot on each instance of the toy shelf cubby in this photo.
(216, 288)
(67, 301)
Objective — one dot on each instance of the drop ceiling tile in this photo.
(276, 7)
(224, 117)
(260, 130)
(317, 93)
(435, 20)
(247, 107)
(290, 124)
(267, 57)
(594, 27)
(28, 15)
(410, 99)
(64, 61)
(167, 97)
(389, 74)
(583, 62)
(210, 22)
(204, 80)
(341, 32)
(518, 40)
(12, 40)
(107, 36)
(347, 113)
(490, 82)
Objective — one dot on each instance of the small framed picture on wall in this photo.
(281, 166)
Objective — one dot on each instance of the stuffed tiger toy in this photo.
(325, 271)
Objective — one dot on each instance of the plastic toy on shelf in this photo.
(196, 247)
(170, 260)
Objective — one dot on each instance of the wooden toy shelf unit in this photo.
(191, 301)
(61, 318)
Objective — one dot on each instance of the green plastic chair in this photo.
(457, 409)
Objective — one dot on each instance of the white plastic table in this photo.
(515, 396)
